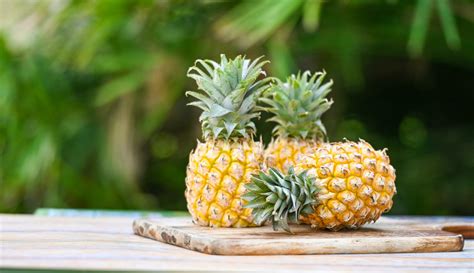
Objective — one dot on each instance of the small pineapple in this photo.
(220, 167)
(340, 185)
(297, 106)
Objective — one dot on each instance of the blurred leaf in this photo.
(350, 48)
(7, 86)
(118, 87)
(282, 63)
(419, 27)
(449, 26)
(38, 157)
(124, 61)
(311, 14)
(252, 22)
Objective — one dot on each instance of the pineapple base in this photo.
(215, 178)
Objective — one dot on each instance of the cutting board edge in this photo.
(452, 243)
(172, 235)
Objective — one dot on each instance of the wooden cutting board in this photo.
(386, 236)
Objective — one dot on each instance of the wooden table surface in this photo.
(107, 243)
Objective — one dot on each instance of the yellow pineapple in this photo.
(296, 106)
(340, 185)
(220, 166)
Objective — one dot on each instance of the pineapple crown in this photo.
(231, 89)
(279, 197)
(298, 104)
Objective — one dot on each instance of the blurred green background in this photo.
(93, 112)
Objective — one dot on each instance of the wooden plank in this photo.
(383, 237)
(109, 244)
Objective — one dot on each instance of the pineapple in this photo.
(297, 106)
(220, 166)
(340, 185)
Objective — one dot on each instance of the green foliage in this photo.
(93, 112)
(421, 20)
(231, 90)
(298, 104)
(251, 22)
(84, 96)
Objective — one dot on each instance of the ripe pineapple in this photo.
(220, 166)
(297, 106)
(342, 184)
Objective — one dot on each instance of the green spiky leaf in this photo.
(298, 104)
(280, 198)
(230, 90)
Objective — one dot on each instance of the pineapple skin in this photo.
(215, 178)
(356, 184)
(284, 152)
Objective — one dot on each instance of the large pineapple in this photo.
(296, 106)
(342, 184)
(220, 166)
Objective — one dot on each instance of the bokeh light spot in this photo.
(351, 129)
(164, 145)
(412, 132)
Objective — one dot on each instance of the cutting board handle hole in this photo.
(467, 231)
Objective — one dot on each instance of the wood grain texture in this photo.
(109, 244)
(386, 236)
